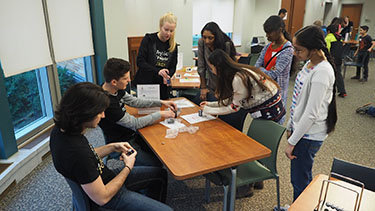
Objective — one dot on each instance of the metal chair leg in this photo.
(225, 201)
(208, 190)
(278, 192)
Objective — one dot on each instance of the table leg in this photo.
(233, 188)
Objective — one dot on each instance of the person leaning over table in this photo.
(81, 108)
(157, 56)
(246, 87)
(214, 38)
(118, 125)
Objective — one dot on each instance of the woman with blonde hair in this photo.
(157, 56)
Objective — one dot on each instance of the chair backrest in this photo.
(80, 200)
(269, 134)
(358, 172)
(253, 58)
(244, 59)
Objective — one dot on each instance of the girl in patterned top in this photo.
(242, 86)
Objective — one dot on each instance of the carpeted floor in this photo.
(353, 140)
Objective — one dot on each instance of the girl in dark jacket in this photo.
(157, 56)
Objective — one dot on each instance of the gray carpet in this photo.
(353, 140)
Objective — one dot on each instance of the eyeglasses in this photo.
(297, 51)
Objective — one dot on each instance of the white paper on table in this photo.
(191, 75)
(183, 103)
(195, 118)
(174, 125)
(190, 80)
(194, 68)
(148, 91)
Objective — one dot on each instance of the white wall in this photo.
(125, 18)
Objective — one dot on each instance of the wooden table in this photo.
(176, 84)
(215, 146)
(309, 197)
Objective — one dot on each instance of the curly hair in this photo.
(80, 104)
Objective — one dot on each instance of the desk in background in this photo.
(176, 84)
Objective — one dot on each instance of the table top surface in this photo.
(175, 82)
(215, 146)
(310, 196)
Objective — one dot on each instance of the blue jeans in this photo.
(371, 111)
(301, 166)
(145, 156)
(151, 179)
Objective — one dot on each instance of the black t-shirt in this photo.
(365, 43)
(74, 159)
(115, 111)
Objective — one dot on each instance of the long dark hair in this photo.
(312, 37)
(80, 104)
(220, 38)
(226, 69)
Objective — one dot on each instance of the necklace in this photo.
(100, 161)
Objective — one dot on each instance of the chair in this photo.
(267, 133)
(357, 172)
(80, 200)
(253, 58)
(244, 59)
(349, 59)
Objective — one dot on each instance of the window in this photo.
(29, 100)
(74, 71)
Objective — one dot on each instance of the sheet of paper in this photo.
(183, 103)
(180, 61)
(195, 118)
(174, 125)
(148, 91)
(191, 75)
(190, 80)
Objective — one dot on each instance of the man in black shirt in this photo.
(82, 107)
(363, 51)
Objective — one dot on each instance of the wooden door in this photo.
(296, 13)
(353, 11)
(133, 46)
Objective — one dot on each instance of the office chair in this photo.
(267, 133)
(80, 200)
(364, 174)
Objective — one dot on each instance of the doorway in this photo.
(295, 15)
(353, 11)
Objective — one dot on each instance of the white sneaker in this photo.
(284, 208)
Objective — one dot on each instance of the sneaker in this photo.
(363, 80)
(244, 191)
(363, 109)
(284, 208)
(355, 77)
(259, 185)
(343, 95)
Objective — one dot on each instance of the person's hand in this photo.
(164, 73)
(289, 152)
(288, 133)
(129, 160)
(170, 104)
(355, 54)
(369, 50)
(121, 146)
(204, 94)
(203, 104)
(167, 114)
